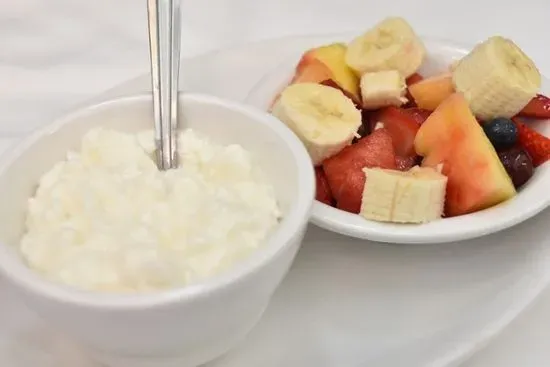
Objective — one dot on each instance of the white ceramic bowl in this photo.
(532, 198)
(180, 327)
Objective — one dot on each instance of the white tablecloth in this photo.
(54, 53)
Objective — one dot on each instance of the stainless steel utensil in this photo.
(164, 47)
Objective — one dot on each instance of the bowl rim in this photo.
(16, 271)
(447, 230)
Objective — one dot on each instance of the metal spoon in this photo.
(164, 47)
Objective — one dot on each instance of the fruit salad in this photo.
(392, 145)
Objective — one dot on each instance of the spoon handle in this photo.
(175, 68)
(164, 48)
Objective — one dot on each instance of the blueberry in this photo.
(502, 132)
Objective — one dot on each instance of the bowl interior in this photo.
(223, 122)
(531, 199)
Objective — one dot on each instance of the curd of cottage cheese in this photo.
(107, 219)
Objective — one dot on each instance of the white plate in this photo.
(346, 302)
(529, 202)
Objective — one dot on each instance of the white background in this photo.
(54, 53)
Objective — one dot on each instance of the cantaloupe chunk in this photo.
(311, 71)
(334, 57)
(430, 92)
(326, 64)
(451, 136)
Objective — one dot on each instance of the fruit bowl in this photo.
(530, 200)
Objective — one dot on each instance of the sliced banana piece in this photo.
(391, 45)
(497, 78)
(415, 196)
(322, 117)
(383, 88)
(453, 65)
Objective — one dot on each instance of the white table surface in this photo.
(56, 53)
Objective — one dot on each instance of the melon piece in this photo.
(311, 71)
(452, 137)
(430, 92)
(327, 62)
(334, 57)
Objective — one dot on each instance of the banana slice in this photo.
(497, 78)
(383, 88)
(391, 45)
(415, 196)
(453, 65)
(322, 117)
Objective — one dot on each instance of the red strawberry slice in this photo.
(420, 115)
(333, 84)
(537, 145)
(344, 171)
(415, 78)
(405, 163)
(401, 125)
(537, 108)
(323, 193)
(410, 100)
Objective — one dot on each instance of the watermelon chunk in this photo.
(344, 171)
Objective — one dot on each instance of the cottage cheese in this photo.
(107, 219)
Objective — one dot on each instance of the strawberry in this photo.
(420, 115)
(333, 84)
(537, 108)
(415, 78)
(411, 103)
(344, 170)
(537, 145)
(401, 125)
(405, 163)
(323, 193)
